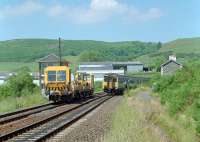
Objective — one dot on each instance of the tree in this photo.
(90, 56)
(159, 45)
(20, 82)
(157, 62)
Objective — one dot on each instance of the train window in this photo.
(61, 75)
(87, 77)
(51, 75)
(106, 78)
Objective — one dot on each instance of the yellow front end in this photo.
(109, 83)
(57, 82)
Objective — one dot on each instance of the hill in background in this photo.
(185, 49)
(185, 45)
(27, 51)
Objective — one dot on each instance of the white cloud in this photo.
(104, 5)
(26, 8)
(102, 10)
(56, 10)
(96, 11)
(153, 13)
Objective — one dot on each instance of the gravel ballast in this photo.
(92, 127)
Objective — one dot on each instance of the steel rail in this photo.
(23, 110)
(36, 124)
(64, 123)
(8, 117)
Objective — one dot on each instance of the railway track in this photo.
(42, 126)
(8, 117)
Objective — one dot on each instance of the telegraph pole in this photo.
(59, 50)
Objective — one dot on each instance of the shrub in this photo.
(181, 90)
(18, 85)
(98, 86)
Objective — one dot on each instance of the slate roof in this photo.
(170, 62)
(49, 58)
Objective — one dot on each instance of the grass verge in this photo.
(9, 104)
(141, 118)
(129, 125)
(14, 66)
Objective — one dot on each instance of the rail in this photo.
(31, 126)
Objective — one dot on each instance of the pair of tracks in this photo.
(43, 124)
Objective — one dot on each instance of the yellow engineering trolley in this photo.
(60, 87)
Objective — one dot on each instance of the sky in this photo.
(105, 20)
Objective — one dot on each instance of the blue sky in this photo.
(107, 20)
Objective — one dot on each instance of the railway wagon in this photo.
(115, 84)
(60, 88)
(86, 83)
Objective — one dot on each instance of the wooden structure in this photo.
(49, 60)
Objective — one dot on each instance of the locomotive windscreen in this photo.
(61, 76)
(51, 75)
(56, 76)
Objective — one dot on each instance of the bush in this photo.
(181, 90)
(19, 91)
(98, 86)
(18, 85)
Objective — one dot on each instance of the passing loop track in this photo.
(8, 117)
(43, 129)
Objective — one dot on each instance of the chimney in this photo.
(172, 57)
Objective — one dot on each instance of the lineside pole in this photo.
(59, 50)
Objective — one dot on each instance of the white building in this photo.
(99, 74)
(5, 75)
(99, 69)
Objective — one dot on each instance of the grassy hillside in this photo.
(25, 51)
(28, 50)
(185, 49)
(186, 45)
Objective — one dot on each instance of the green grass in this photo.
(13, 66)
(9, 104)
(179, 129)
(98, 86)
(33, 66)
(128, 126)
(19, 92)
(132, 124)
(185, 49)
(144, 74)
(186, 45)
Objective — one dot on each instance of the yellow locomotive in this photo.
(59, 87)
(115, 84)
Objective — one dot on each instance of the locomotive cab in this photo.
(109, 83)
(114, 84)
(57, 81)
